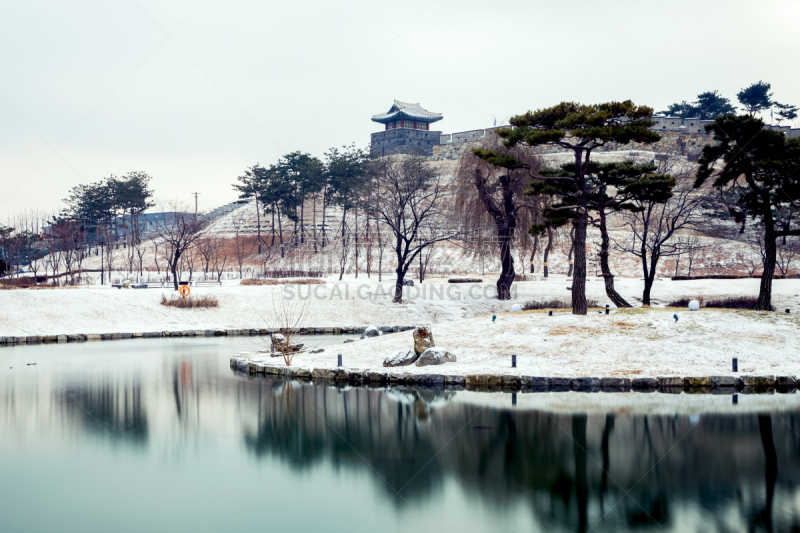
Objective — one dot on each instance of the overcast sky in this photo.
(193, 92)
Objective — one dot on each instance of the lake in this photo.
(161, 435)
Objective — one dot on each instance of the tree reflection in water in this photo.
(577, 472)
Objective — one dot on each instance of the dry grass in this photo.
(553, 304)
(303, 281)
(727, 302)
(189, 302)
(26, 282)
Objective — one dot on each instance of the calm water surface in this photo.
(161, 435)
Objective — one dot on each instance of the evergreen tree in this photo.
(610, 187)
(708, 105)
(756, 97)
(711, 104)
(580, 129)
(786, 112)
(761, 171)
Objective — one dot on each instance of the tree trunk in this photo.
(764, 302)
(571, 250)
(173, 267)
(280, 232)
(579, 270)
(507, 265)
(533, 252)
(258, 224)
(547, 248)
(649, 276)
(608, 277)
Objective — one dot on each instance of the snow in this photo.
(644, 342)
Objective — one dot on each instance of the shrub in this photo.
(554, 304)
(189, 302)
(307, 281)
(734, 302)
(683, 302)
(728, 302)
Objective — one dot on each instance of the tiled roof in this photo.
(406, 110)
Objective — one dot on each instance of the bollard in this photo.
(735, 399)
(549, 313)
(513, 398)
(513, 361)
(339, 361)
(606, 308)
(735, 364)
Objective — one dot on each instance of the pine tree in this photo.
(581, 129)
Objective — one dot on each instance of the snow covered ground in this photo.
(637, 342)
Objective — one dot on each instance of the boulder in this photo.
(435, 356)
(423, 339)
(371, 331)
(317, 350)
(279, 343)
(401, 358)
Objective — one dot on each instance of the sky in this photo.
(193, 92)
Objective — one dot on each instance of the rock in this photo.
(785, 381)
(585, 384)
(644, 383)
(322, 373)
(371, 331)
(616, 384)
(723, 381)
(482, 380)
(758, 382)
(408, 283)
(559, 384)
(535, 382)
(435, 356)
(666, 382)
(376, 377)
(349, 340)
(401, 358)
(423, 339)
(696, 382)
(317, 350)
(279, 343)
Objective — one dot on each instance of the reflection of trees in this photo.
(108, 408)
(575, 471)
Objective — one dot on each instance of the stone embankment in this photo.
(83, 337)
(251, 363)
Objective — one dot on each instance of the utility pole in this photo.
(195, 194)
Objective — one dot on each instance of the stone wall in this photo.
(404, 141)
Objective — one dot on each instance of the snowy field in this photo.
(637, 342)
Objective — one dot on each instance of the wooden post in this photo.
(735, 364)
(339, 360)
(513, 361)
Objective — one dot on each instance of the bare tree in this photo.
(179, 232)
(345, 245)
(498, 187)
(408, 199)
(655, 230)
(787, 252)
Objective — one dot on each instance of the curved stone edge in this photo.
(519, 383)
(251, 332)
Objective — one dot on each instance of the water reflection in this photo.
(171, 407)
(576, 472)
(111, 409)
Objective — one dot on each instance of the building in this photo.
(406, 130)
